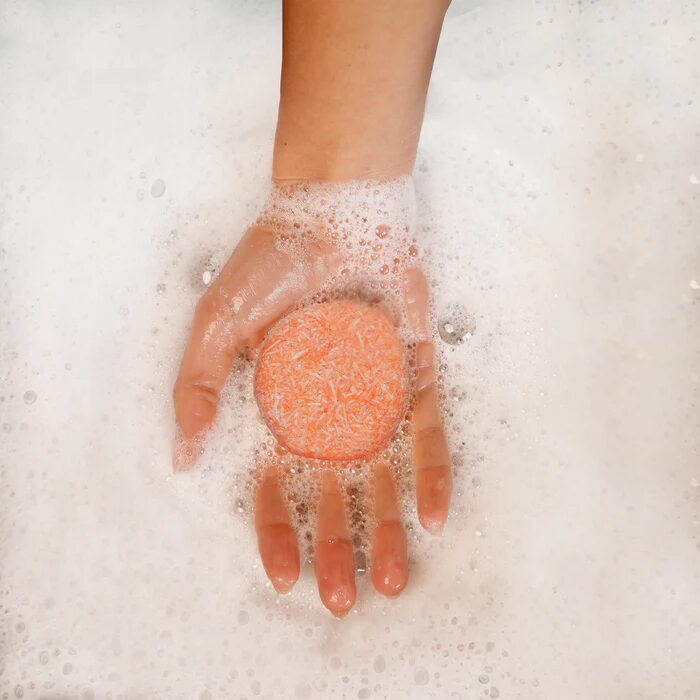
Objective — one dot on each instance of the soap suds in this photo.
(561, 259)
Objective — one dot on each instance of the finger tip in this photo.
(433, 524)
(280, 557)
(184, 452)
(285, 579)
(284, 584)
(181, 462)
(340, 601)
(341, 612)
(391, 584)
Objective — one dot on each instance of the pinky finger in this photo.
(431, 455)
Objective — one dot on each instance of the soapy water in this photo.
(557, 207)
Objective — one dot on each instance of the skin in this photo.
(354, 82)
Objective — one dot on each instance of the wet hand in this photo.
(259, 284)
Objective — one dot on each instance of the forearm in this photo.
(355, 76)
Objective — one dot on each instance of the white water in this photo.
(558, 173)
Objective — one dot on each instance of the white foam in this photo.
(557, 205)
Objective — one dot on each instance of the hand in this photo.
(261, 281)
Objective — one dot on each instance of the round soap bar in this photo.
(331, 381)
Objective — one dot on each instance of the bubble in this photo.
(160, 288)
(494, 692)
(205, 269)
(243, 617)
(379, 664)
(483, 678)
(456, 325)
(360, 562)
(157, 188)
(421, 676)
(19, 691)
(44, 657)
(29, 397)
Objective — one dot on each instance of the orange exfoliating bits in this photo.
(331, 381)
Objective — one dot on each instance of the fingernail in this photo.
(433, 526)
(341, 601)
(185, 451)
(283, 585)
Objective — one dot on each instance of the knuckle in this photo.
(209, 305)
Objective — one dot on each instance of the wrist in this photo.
(306, 149)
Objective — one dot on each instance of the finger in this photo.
(335, 561)
(277, 542)
(389, 560)
(254, 288)
(431, 455)
(205, 367)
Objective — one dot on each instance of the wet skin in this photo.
(257, 286)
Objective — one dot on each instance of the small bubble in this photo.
(67, 668)
(483, 678)
(157, 188)
(360, 562)
(44, 657)
(160, 288)
(379, 664)
(382, 231)
(19, 691)
(29, 397)
(205, 269)
(456, 325)
(421, 676)
(243, 617)
(494, 693)
(694, 284)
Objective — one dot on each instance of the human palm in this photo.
(280, 265)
